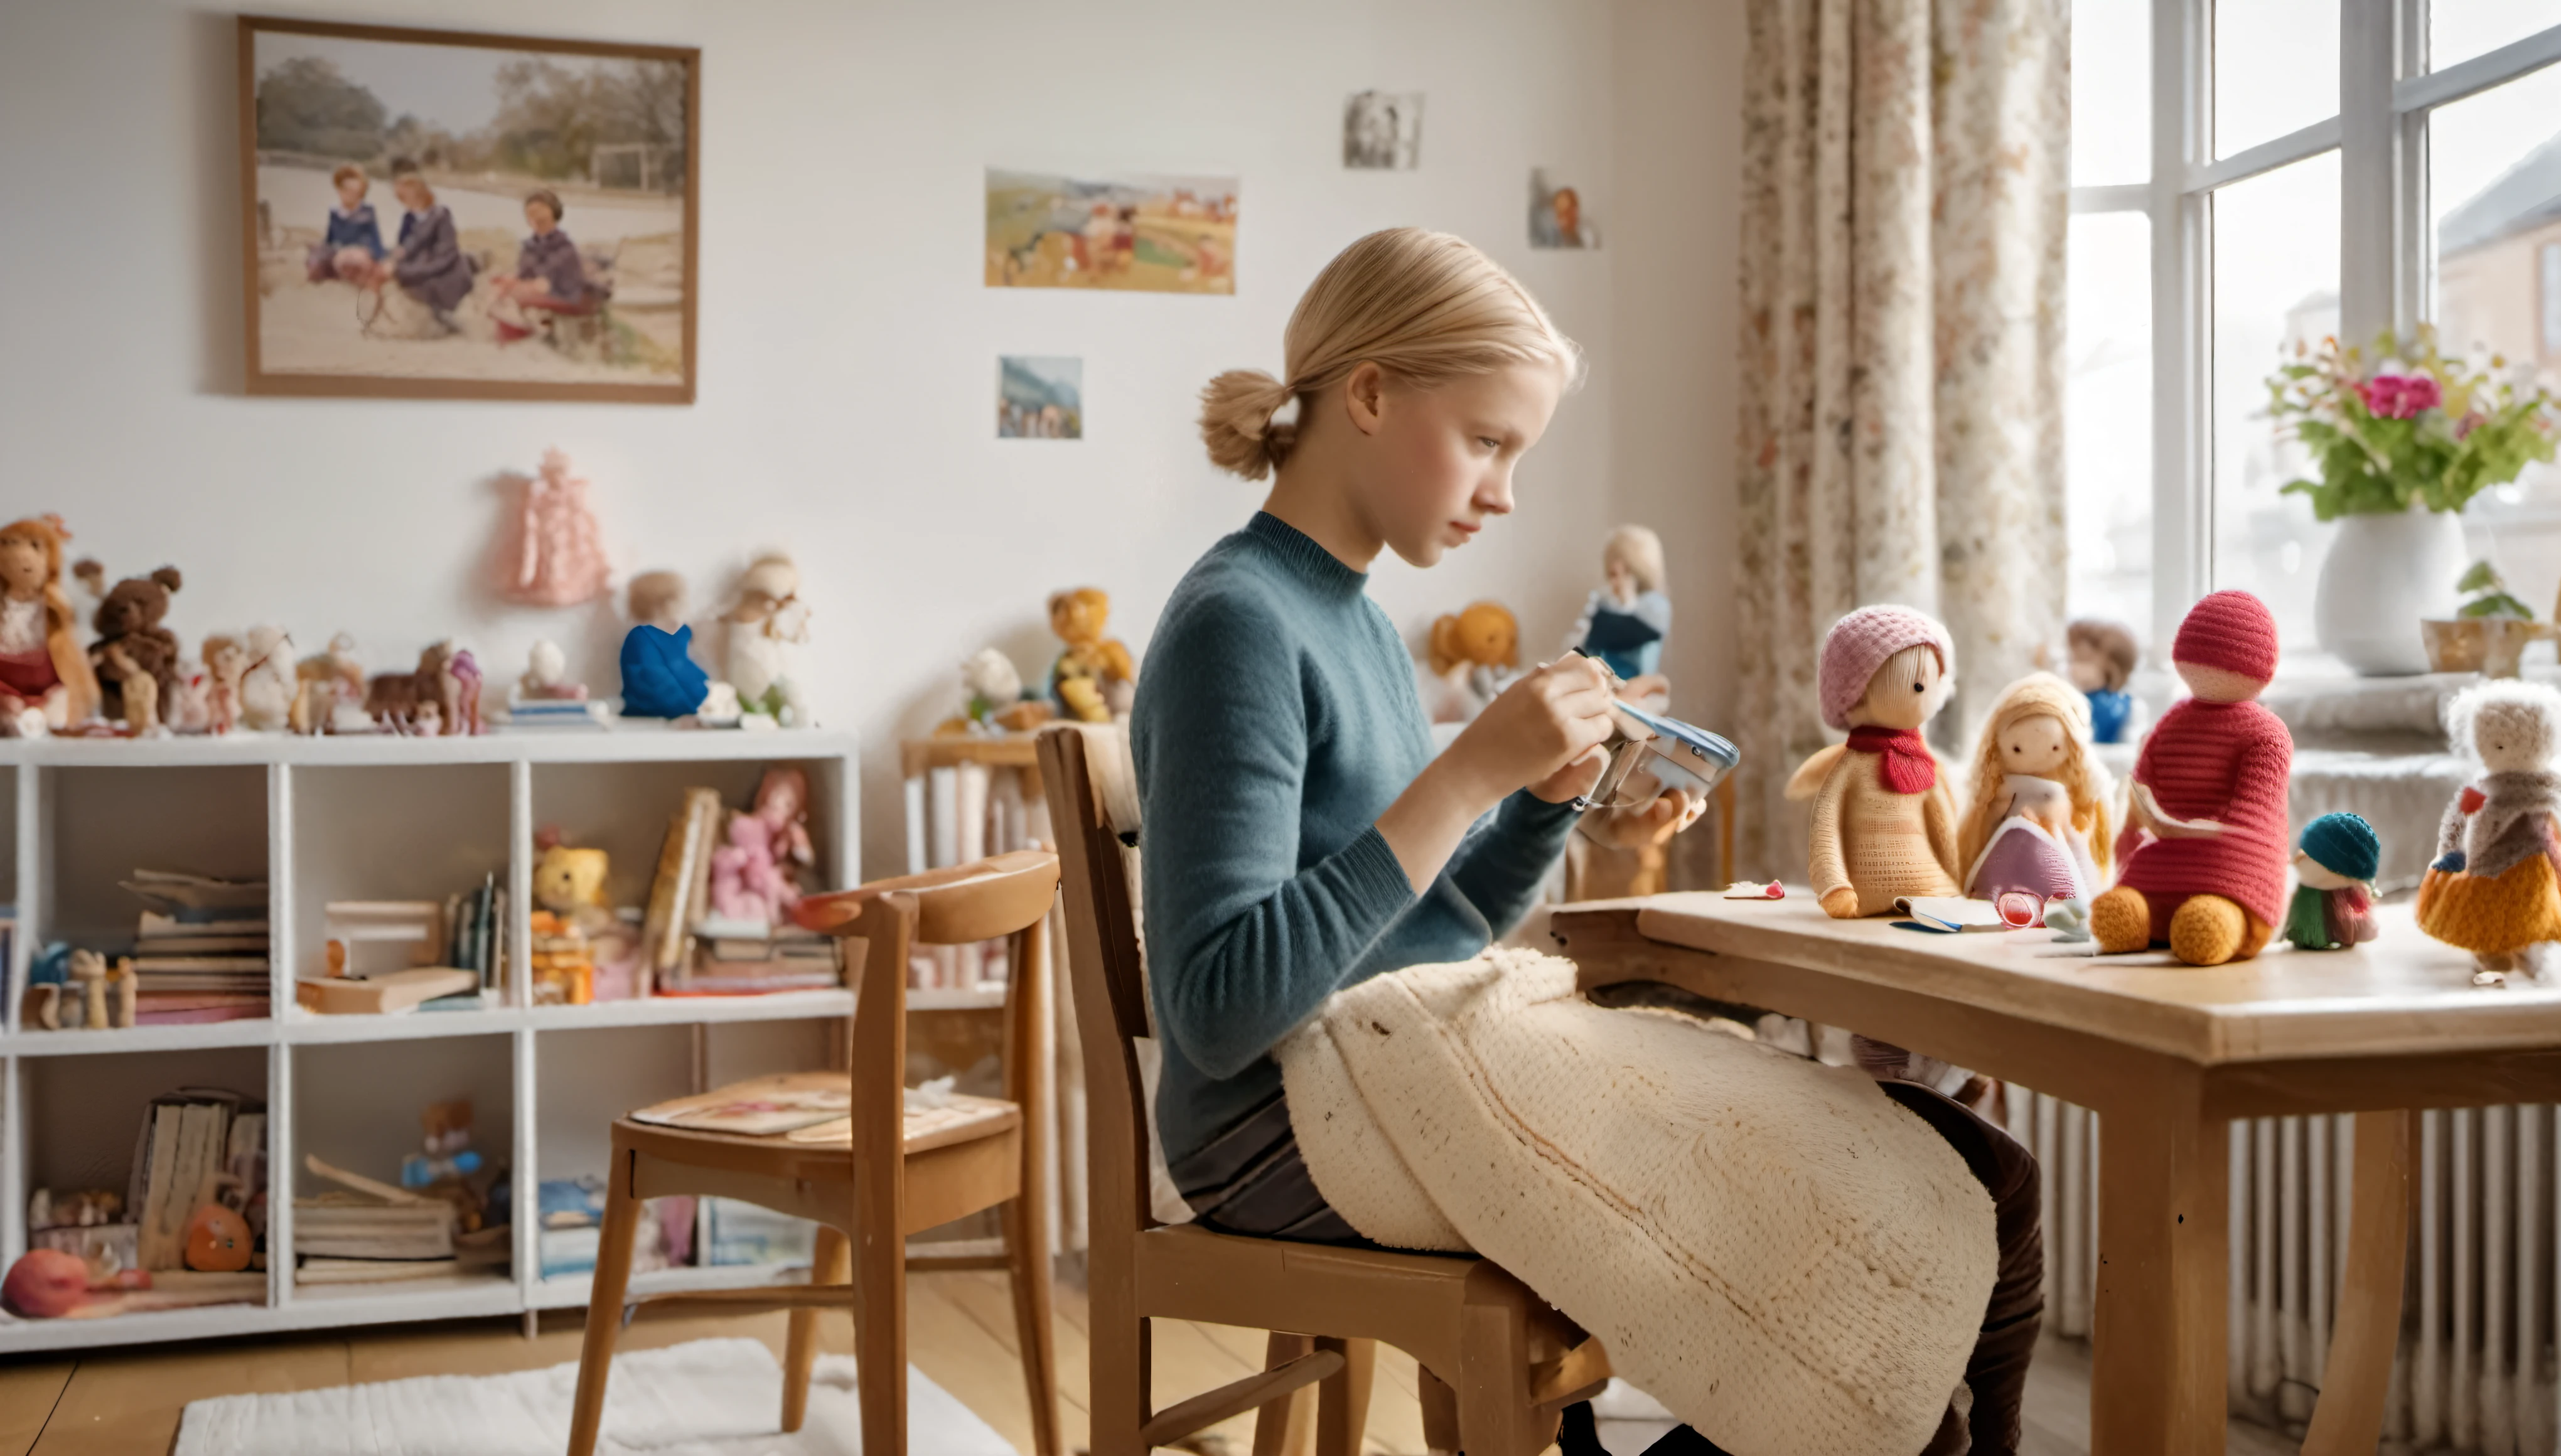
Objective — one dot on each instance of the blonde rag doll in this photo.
(2036, 828)
(1885, 822)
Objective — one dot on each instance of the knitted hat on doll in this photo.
(2344, 844)
(2230, 630)
(1860, 643)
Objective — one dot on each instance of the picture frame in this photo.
(535, 267)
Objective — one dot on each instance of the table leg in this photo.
(2156, 1379)
(2349, 1418)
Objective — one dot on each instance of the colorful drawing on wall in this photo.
(438, 215)
(1383, 131)
(1158, 235)
(1558, 216)
(1040, 398)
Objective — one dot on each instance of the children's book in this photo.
(766, 1106)
(1948, 913)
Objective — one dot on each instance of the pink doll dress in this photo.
(555, 556)
(2027, 857)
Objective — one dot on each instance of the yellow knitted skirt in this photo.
(2491, 916)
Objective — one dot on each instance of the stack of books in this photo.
(476, 922)
(200, 950)
(736, 957)
(556, 712)
(366, 1231)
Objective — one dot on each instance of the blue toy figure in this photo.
(659, 676)
(1624, 622)
(2102, 658)
(2333, 904)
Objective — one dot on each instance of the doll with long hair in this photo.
(2036, 822)
(45, 681)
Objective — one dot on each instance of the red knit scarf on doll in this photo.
(1903, 757)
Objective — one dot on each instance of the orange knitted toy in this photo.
(2205, 844)
(2492, 890)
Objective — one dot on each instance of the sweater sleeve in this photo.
(1827, 868)
(1500, 869)
(1243, 942)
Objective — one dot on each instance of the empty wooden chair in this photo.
(889, 1178)
(1498, 1363)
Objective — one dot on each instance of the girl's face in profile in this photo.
(1439, 460)
(351, 192)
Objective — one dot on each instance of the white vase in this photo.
(2383, 575)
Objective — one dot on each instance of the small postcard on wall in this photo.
(1383, 131)
(1039, 398)
(1125, 231)
(1557, 215)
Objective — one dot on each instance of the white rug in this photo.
(710, 1397)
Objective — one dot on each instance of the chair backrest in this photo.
(1106, 977)
(998, 895)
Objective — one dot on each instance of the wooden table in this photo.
(2167, 1055)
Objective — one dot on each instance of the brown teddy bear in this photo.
(130, 637)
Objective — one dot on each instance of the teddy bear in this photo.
(131, 642)
(568, 886)
(1474, 655)
(1094, 677)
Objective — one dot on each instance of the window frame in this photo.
(2386, 92)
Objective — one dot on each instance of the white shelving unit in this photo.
(376, 817)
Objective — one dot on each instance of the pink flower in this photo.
(2399, 396)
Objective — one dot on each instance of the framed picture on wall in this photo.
(442, 215)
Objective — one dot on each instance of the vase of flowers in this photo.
(2401, 438)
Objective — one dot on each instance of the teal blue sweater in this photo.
(1276, 719)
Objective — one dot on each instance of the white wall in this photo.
(848, 346)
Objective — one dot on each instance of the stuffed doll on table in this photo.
(2205, 841)
(1885, 823)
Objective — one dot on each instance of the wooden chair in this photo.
(884, 1182)
(1498, 1363)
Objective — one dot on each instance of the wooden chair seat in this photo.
(876, 1174)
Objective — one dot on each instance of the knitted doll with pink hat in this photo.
(2205, 843)
(1885, 822)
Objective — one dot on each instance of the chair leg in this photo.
(1284, 1427)
(1342, 1401)
(880, 1317)
(1026, 1223)
(832, 1264)
(604, 1305)
(1495, 1416)
(1119, 1389)
(1439, 1400)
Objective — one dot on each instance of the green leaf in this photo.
(2481, 577)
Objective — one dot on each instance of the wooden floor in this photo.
(128, 1402)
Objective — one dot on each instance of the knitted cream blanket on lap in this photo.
(1772, 1249)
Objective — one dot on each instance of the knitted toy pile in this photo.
(1773, 1249)
(2494, 890)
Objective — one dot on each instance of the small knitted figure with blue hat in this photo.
(2333, 904)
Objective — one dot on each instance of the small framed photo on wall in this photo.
(446, 214)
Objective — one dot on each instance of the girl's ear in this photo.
(1365, 396)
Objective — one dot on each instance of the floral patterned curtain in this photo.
(1906, 165)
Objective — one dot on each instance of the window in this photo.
(2320, 168)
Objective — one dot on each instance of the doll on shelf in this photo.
(1885, 823)
(2205, 845)
(1625, 620)
(755, 876)
(2494, 890)
(659, 676)
(46, 680)
(2334, 868)
(768, 626)
(2102, 660)
(2037, 829)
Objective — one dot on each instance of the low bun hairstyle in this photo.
(1426, 307)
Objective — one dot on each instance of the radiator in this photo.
(2475, 1372)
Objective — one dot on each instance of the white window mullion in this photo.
(2182, 475)
(2370, 174)
(2415, 242)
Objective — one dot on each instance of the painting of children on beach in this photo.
(438, 215)
(1158, 235)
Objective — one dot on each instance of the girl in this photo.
(1300, 836)
(550, 275)
(2038, 825)
(430, 262)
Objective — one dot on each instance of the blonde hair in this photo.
(2083, 776)
(1642, 552)
(1426, 307)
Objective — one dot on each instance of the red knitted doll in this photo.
(2205, 841)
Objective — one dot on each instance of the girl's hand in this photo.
(1543, 732)
(1667, 814)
